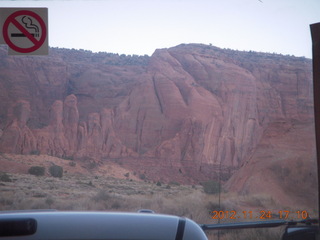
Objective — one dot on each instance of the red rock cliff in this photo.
(181, 114)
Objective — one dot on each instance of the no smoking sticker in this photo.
(24, 30)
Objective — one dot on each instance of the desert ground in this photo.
(113, 188)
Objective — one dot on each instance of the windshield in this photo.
(201, 109)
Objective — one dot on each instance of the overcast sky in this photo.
(141, 26)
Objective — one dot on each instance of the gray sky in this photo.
(141, 26)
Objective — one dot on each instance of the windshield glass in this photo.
(201, 109)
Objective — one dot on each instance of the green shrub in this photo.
(56, 171)
(36, 170)
(4, 177)
(72, 164)
(211, 187)
(142, 176)
(116, 205)
(174, 183)
(49, 201)
(90, 184)
(35, 152)
(102, 195)
(67, 157)
(215, 206)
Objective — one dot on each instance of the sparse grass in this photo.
(215, 206)
(80, 193)
(102, 195)
(248, 234)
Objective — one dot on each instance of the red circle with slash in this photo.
(12, 20)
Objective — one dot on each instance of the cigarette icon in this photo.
(22, 35)
(28, 23)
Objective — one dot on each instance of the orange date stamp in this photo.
(259, 215)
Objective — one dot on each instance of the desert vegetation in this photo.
(45, 182)
(78, 192)
(36, 170)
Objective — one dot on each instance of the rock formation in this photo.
(182, 114)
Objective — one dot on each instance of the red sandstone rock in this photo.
(17, 137)
(282, 165)
(194, 109)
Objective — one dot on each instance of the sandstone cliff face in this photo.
(182, 114)
(283, 166)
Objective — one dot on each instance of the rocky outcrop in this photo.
(192, 109)
(17, 136)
